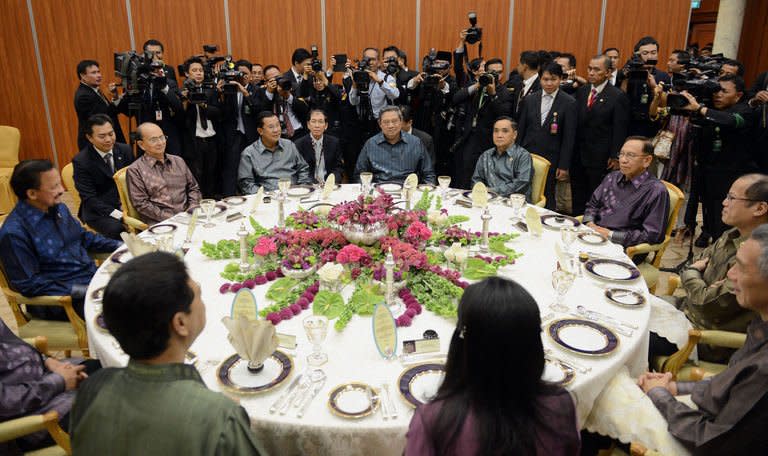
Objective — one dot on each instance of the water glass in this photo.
(207, 206)
(445, 183)
(561, 282)
(517, 202)
(568, 236)
(283, 185)
(316, 327)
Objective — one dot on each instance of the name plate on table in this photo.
(384, 331)
(244, 305)
(286, 340)
(421, 346)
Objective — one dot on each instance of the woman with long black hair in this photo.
(493, 400)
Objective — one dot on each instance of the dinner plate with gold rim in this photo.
(584, 337)
(218, 210)
(234, 375)
(557, 221)
(419, 384)
(98, 294)
(625, 297)
(557, 372)
(162, 228)
(610, 269)
(492, 196)
(592, 238)
(297, 191)
(234, 200)
(121, 256)
(390, 187)
(353, 400)
(101, 325)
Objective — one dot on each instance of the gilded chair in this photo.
(10, 138)
(68, 177)
(540, 169)
(649, 268)
(19, 427)
(131, 218)
(62, 335)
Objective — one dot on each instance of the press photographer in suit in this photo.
(547, 127)
(93, 168)
(321, 151)
(157, 50)
(90, 100)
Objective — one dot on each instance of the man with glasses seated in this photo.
(631, 205)
(393, 154)
(159, 184)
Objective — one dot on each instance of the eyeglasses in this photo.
(157, 139)
(729, 197)
(630, 155)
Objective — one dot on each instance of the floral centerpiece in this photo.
(363, 221)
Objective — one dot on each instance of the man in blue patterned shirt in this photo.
(43, 249)
(506, 168)
(393, 154)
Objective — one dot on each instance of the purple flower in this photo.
(308, 295)
(286, 314)
(271, 275)
(303, 302)
(410, 312)
(404, 320)
(235, 287)
(279, 273)
(250, 283)
(224, 288)
(274, 318)
(260, 280)
(295, 308)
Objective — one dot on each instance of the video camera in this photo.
(702, 89)
(317, 64)
(361, 77)
(474, 33)
(635, 68)
(432, 65)
(197, 94)
(392, 66)
(137, 72)
(486, 79)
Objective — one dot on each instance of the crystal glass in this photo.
(445, 183)
(568, 236)
(561, 282)
(284, 185)
(517, 202)
(365, 181)
(208, 205)
(164, 242)
(316, 327)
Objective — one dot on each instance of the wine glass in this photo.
(445, 183)
(207, 205)
(283, 185)
(316, 327)
(561, 282)
(568, 236)
(365, 181)
(517, 202)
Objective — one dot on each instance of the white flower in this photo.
(437, 218)
(330, 272)
(456, 253)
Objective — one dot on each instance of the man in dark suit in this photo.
(90, 100)
(603, 115)
(758, 101)
(300, 59)
(547, 127)
(425, 137)
(157, 50)
(321, 152)
(528, 69)
(94, 167)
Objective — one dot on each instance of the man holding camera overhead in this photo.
(372, 90)
(639, 78)
(278, 97)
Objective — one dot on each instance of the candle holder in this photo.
(242, 234)
(407, 189)
(389, 267)
(485, 217)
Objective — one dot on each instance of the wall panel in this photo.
(443, 20)
(555, 25)
(753, 48)
(275, 30)
(20, 92)
(626, 21)
(356, 24)
(85, 29)
(182, 26)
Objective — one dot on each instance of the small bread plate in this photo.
(218, 210)
(233, 373)
(297, 191)
(234, 200)
(101, 325)
(419, 384)
(614, 270)
(625, 297)
(557, 221)
(492, 196)
(353, 400)
(557, 372)
(425, 187)
(121, 256)
(98, 294)
(583, 337)
(162, 228)
(390, 187)
(592, 238)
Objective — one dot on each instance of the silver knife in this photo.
(588, 316)
(318, 386)
(281, 400)
(390, 404)
(609, 318)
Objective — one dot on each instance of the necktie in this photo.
(546, 105)
(319, 162)
(592, 98)
(203, 118)
(108, 161)
(281, 109)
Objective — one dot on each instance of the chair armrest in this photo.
(39, 342)
(679, 358)
(727, 339)
(542, 202)
(78, 325)
(134, 223)
(673, 283)
(638, 449)
(633, 250)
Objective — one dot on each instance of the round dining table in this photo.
(352, 353)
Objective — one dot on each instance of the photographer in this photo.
(239, 106)
(157, 50)
(571, 81)
(322, 95)
(723, 148)
(394, 64)
(758, 100)
(638, 80)
(371, 90)
(90, 100)
(202, 110)
(300, 60)
(483, 102)
(278, 97)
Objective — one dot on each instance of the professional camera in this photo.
(317, 64)
(474, 33)
(361, 77)
(708, 65)
(635, 67)
(432, 65)
(701, 88)
(392, 66)
(196, 94)
(487, 79)
(285, 83)
(136, 71)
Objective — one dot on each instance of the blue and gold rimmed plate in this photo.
(353, 400)
(162, 228)
(121, 256)
(219, 209)
(557, 221)
(424, 187)
(234, 200)
(614, 270)
(233, 374)
(98, 294)
(390, 187)
(592, 238)
(100, 323)
(297, 191)
(557, 372)
(419, 384)
(625, 297)
(492, 196)
(583, 337)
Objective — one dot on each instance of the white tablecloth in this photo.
(352, 353)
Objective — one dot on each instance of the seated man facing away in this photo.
(732, 405)
(160, 185)
(43, 249)
(506, 168)
(270, 158)
(393, 154)
(710, 302)
(157, 404)
(631, 205)
(93, 168)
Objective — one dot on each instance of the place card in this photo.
(244, 305)
(384, 331)
(286, 340)
(421, 346)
